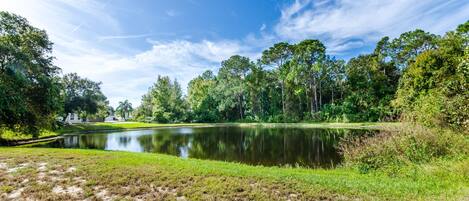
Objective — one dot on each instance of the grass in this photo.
(123, 175)
(9, 135)
(86, 127)
(137, 125)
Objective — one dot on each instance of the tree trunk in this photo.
(283, 97)
(313, 94)
(320, 96)
(240, 106)
(300, 107)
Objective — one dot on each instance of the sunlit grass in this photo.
(204, 179)
(7, 134)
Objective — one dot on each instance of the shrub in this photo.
(411, 146)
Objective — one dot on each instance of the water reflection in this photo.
(257, 146)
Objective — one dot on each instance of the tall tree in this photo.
(405, 48)
(278, 55)
(29, 83)
(309, 56)
(168, 103)
(231, 82)
(201, 99)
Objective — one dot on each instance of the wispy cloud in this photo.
(102, 38)
(263, 26)
(129, 76)
(77, 27)
(340, 23)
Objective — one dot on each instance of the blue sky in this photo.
(127, 43)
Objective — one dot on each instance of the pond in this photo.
(306, 147)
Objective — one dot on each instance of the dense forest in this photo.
(418, 76)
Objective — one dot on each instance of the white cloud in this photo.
(263, 26)
(102, 38)
(337, 22)
(129, 76)
(82, 33)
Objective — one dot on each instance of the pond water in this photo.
(306, 147)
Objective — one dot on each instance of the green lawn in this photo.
(137, 125)
(119, 126)
(9, 135)
(42, 173)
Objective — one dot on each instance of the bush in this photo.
(412, 145)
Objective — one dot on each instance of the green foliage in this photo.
(434, 89)
(200, 97)
(165, 102)
(29, 86)
(392, 151)
(124, 109)
(300, 82)
(84, 97)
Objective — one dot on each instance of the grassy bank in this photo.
(89, 127)
(136, 125)
(119, 126)
(9, 135)
(41, 173)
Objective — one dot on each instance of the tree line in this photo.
(417, 76)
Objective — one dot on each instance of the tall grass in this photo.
(412, 145)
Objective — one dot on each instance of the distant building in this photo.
(110, 118)
(73, 118)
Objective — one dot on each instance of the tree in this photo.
(144, 111)
(29, 83)
(434, 89)
(231, 83)
(404, 49)
(201, 99)
(309, 56)
(124, 109)
(168, 103)
(83, 96)
(279, 54)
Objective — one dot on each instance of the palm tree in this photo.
(124, 109)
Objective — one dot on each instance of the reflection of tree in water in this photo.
(84, 141)
(165, 141)
(269, 146)
(124, 140)
(259, 146)
(95, 141)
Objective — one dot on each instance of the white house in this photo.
(73, 118)
(110, 118)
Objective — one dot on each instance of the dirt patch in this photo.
(73, 191)
(15, 194)
(71, 169)
(42, 167)
(15, 169)
(3, 166)
(104, 195)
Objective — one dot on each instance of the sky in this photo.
(126, 44)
